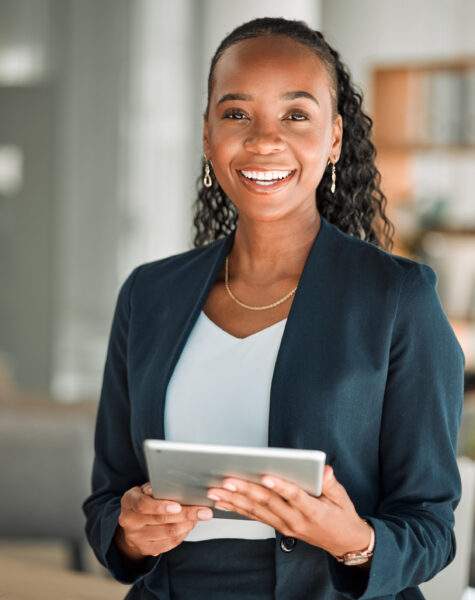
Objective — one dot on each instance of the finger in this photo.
(156, 533)
(292, 493)
(327, 474)
(255, 492)
(256, 513)
(171, 507)
(298, 497)
(197, 513)
(130, 519)
(136, 500)
(256, 502)
(154, 548)
(141, 502)
(147, 488)
(305, 506)
(172, 512)
(332, 489)
(154, 540)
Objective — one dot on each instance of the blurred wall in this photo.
(93, 81)
(376, 31)
(28, 101)
(124, 84)
(63, 69)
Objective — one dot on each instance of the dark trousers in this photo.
(229, 569)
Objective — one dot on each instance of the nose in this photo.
(263, 138)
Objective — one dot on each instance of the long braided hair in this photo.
(358, 205)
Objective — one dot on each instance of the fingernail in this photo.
(147, 489)
(205, 514)
(214, 497)
(330, 474)
(173, 508)
(268, 482)
(230, 486)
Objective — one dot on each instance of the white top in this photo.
(219, 393)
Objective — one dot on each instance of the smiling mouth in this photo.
(266, 178)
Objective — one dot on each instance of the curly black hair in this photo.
(358, 205)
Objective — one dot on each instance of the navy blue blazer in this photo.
(368, 370)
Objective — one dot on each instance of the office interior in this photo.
(101, 106)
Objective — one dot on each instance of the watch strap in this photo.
(360, 557)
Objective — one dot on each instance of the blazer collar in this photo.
(189, 287)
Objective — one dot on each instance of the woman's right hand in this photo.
(148, 527)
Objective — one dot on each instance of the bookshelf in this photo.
(426, 106)
(424, 128)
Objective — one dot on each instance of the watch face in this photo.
(356, 560)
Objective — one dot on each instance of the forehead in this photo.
(274, 61)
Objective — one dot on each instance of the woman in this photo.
(288, 327)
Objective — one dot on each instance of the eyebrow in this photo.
(295, 95)
(286, 96)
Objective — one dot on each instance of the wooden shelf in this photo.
(410, 117)
(385, 146)
(441, 64)
(458, 231)
(425, 106)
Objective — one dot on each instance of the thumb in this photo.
(147, 488)
(331, 488)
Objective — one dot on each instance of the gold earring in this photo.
(207, 181)
(333, 185)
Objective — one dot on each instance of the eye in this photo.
(234, 114)
(298, 116)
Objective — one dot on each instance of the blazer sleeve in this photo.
(420, 482)
(115, 467)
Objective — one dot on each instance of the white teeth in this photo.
(266, 175)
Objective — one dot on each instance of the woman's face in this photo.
(270, 132)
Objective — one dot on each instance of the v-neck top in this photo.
(219, 393)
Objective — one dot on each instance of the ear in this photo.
(205, 137)
(336, 139)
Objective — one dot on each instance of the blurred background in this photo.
(101, 105)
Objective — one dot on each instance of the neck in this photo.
(264, 252)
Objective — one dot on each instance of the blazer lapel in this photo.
(188, 289)
(303, 359)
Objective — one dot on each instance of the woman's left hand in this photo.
(329, 521)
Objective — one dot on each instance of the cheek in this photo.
(223, 149)
(226, 150)
(224, 141)
(312, 153)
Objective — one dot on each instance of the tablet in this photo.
(184, 472)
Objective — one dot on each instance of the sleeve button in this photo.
(287, 544)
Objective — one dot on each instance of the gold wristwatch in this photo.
(358, 558)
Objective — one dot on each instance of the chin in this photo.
(264, 216)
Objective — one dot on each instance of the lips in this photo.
(265, 181)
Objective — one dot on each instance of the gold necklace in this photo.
(226, 284)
